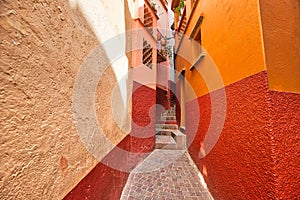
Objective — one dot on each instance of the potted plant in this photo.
(179, 7)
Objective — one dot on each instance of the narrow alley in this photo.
(149, 99)
(166, 175)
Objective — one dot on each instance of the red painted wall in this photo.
(107, 179)
(240, 166)
(178, 109)
(104, 182)
(161, 99)
(173, 97)
(142, 137)
(285, 128)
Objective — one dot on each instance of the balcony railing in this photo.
(164, 3)
(147, 54)
(182, 24)
(148, 18)
(162, 51)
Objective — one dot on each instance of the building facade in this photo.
(237, 65)
(76, 89)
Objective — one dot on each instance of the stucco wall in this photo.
(285, 129)
(231, 34)
(240, 165)
(281, 36)
(43, 45)
(255, 52)
(161, 99)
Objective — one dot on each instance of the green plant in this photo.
(169, 49)
(179, 7)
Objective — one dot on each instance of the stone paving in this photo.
(166, 174)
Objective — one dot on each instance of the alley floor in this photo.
(166, 174)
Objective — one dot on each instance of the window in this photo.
(198, 53)
(198, 43)
(147, 54)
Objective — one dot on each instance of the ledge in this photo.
(182, 72)
(147, 29)
(188, 23)
(202, 55)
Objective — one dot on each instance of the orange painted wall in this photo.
(236, 47)
(281, 32)
(255, 47)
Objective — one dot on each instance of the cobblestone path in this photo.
(166, 174)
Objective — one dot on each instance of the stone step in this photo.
(165, 142)
(167, 126)
(167, 122)
(169, 113)
(167, 132)
(168, 118)
(176, 135)
(180, 139)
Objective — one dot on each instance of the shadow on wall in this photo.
(108, 177)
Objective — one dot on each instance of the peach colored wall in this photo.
(43, 46)
(141, 73)
(163, 71)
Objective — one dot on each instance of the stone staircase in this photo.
(167, 134)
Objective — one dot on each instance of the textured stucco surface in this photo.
(161, 99)
(285, 128)
(231, 35)
(112, 114)
(240, 165)
(255, 46)
(257, 155)
(104, 181)
(108, 178)
(43, 44)
(281, 37)
(178, 106)
(142, 136)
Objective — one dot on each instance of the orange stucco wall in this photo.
(253, 46)
(281, 32)
(231, 34)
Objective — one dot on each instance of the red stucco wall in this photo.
(240, 165)
(107, 179)
(285, 128)
(142, 137)
(104, 182)
(178, 109)
(161, 99)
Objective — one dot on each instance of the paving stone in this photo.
(165, 174)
